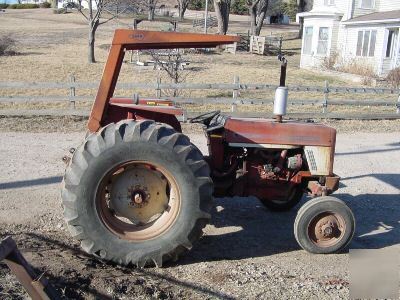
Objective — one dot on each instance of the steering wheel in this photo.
(205, 118)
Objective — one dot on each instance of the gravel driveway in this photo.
(247, 252)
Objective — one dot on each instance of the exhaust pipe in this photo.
(281, 93)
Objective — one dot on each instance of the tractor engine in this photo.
(268, 174)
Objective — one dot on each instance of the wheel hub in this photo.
(139, 194)
(326, 229)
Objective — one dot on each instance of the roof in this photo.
(378, 17)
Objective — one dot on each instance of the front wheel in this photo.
(137, 192)
(324, 225)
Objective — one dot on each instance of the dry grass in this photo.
(10, 288)
(58, 46)
(394, 77)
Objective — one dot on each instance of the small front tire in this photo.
(324, 225)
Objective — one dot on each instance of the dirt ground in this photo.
(57, 48)
(247, 252)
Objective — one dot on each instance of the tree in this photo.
(171, 62)
(149, 6)
(239, 7)
(258, 11)
(96, 9)
(301, 8)
(182, 6)
(222, 9)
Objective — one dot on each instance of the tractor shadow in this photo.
(242, 228)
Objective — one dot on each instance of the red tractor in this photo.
(138, 191)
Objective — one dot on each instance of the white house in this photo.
(365, 31)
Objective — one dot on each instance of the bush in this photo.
(289, 8)
(358, 67)
(394, 77)
(7, 45)
(239, 7)
(330, 62)
(3, 5)
(23, 6)
(45, 5)
(59, 11)
(196, 5)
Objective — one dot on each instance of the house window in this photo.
(308, 33)
(368, 4)
(329, 2)
(366, 41)
(390, 47)
(323, 37)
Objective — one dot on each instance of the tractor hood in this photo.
(266, 131)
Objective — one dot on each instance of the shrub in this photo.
(7, 45)
(3, 5)
(330, 62)
(394, 77)
(196, 5)
(289, 8)
(23, 6)
(45, 5)
(239, 7)
(358, 67)
(59, 11)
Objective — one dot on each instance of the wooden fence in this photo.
(235, 88)
(264, 45)
(211, 22)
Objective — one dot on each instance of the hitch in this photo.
(36, 286)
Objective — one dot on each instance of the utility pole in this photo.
(206, 17)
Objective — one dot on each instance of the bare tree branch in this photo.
(182, 7)
(172, 63)
(95, 17)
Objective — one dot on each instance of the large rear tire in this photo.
(137, 192)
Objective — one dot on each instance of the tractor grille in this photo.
(312, 163)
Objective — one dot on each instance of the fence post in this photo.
(158, 90)
(72, 91)
(235, 92)
(326, 95)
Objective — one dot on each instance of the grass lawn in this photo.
(53, 46)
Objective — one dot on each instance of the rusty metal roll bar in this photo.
(125, 39)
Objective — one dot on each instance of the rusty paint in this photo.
(332, 183)
(125, 39)
(264, 131)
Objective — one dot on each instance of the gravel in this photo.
(247, 252)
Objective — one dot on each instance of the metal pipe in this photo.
(205, 17)
(282, 81)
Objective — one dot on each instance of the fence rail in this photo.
(196, 86)
(72, 86)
